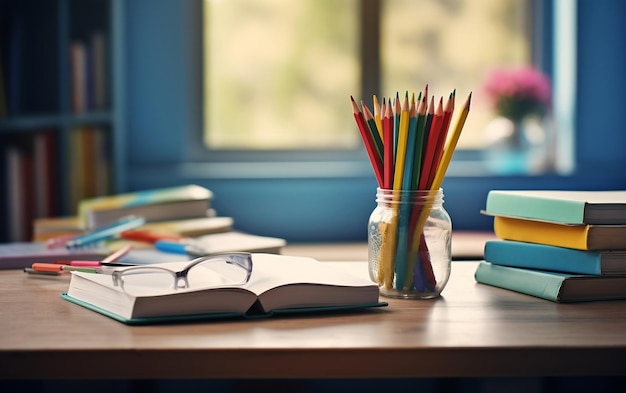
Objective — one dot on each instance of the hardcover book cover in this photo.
(189, 201)
(580, 237)
(553, 286)
(568, 207)
(561, 259)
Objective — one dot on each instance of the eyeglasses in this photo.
(233, 268)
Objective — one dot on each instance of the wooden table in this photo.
(473, 330)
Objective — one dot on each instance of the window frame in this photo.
(244, 163)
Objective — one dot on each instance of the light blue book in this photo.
(568, 207)
(560, 259)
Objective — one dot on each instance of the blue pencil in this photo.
(107, 232)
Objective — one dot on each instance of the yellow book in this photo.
(581, 237)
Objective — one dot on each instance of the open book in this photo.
(278, 284)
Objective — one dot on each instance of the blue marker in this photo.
(181, 247)
(107, 232)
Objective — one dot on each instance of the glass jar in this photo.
(409, 243)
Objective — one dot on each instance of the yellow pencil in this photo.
(451, 145)
(401, 147)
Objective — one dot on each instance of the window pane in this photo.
(452, 45)
(278, 73)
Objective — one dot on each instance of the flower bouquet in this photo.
(518, 92)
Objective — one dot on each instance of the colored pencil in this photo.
(431, 147)
(368, 142)
(448, 151)
(378, 115)
(410, 146)
(442, 136)
(373, 129)
(388, 146)
(403, 129)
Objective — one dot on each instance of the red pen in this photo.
(54, 268)
(147, 236)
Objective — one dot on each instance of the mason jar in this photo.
(409, 243)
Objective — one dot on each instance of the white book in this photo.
(278, 284)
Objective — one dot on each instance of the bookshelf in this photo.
(60, 107)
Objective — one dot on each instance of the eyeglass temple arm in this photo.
(237, 258)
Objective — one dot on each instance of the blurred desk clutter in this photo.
(180, 217)
(563, 246)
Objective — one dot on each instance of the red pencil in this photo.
(368, 141)
(441, 139)
(388, 150)
(431, 146)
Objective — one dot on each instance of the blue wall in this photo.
(163, 97)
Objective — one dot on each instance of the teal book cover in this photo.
(568, 207)
(554, 286)
(561, 259)
(219, 316)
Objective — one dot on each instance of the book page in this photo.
(292, 282)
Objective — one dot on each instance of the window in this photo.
(278, 74)
(301, 201)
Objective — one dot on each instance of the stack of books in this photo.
(169, 221)
(563, 246)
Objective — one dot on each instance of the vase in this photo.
(517, 146)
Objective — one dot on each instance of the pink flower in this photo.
(518, 92)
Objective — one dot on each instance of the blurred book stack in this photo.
(173, 219)
(563, 246)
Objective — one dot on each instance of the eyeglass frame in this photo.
(229, 257)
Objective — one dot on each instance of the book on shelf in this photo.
(18, 255)
(89, 161)
(278, 285)
(4, 111)
(568, 207)
(170, 203)
(78, 76)
(45, 176)
(14, 186)
(29, 168)
(99, 44)
(554, 286)
(560, 259)
(580, 237)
